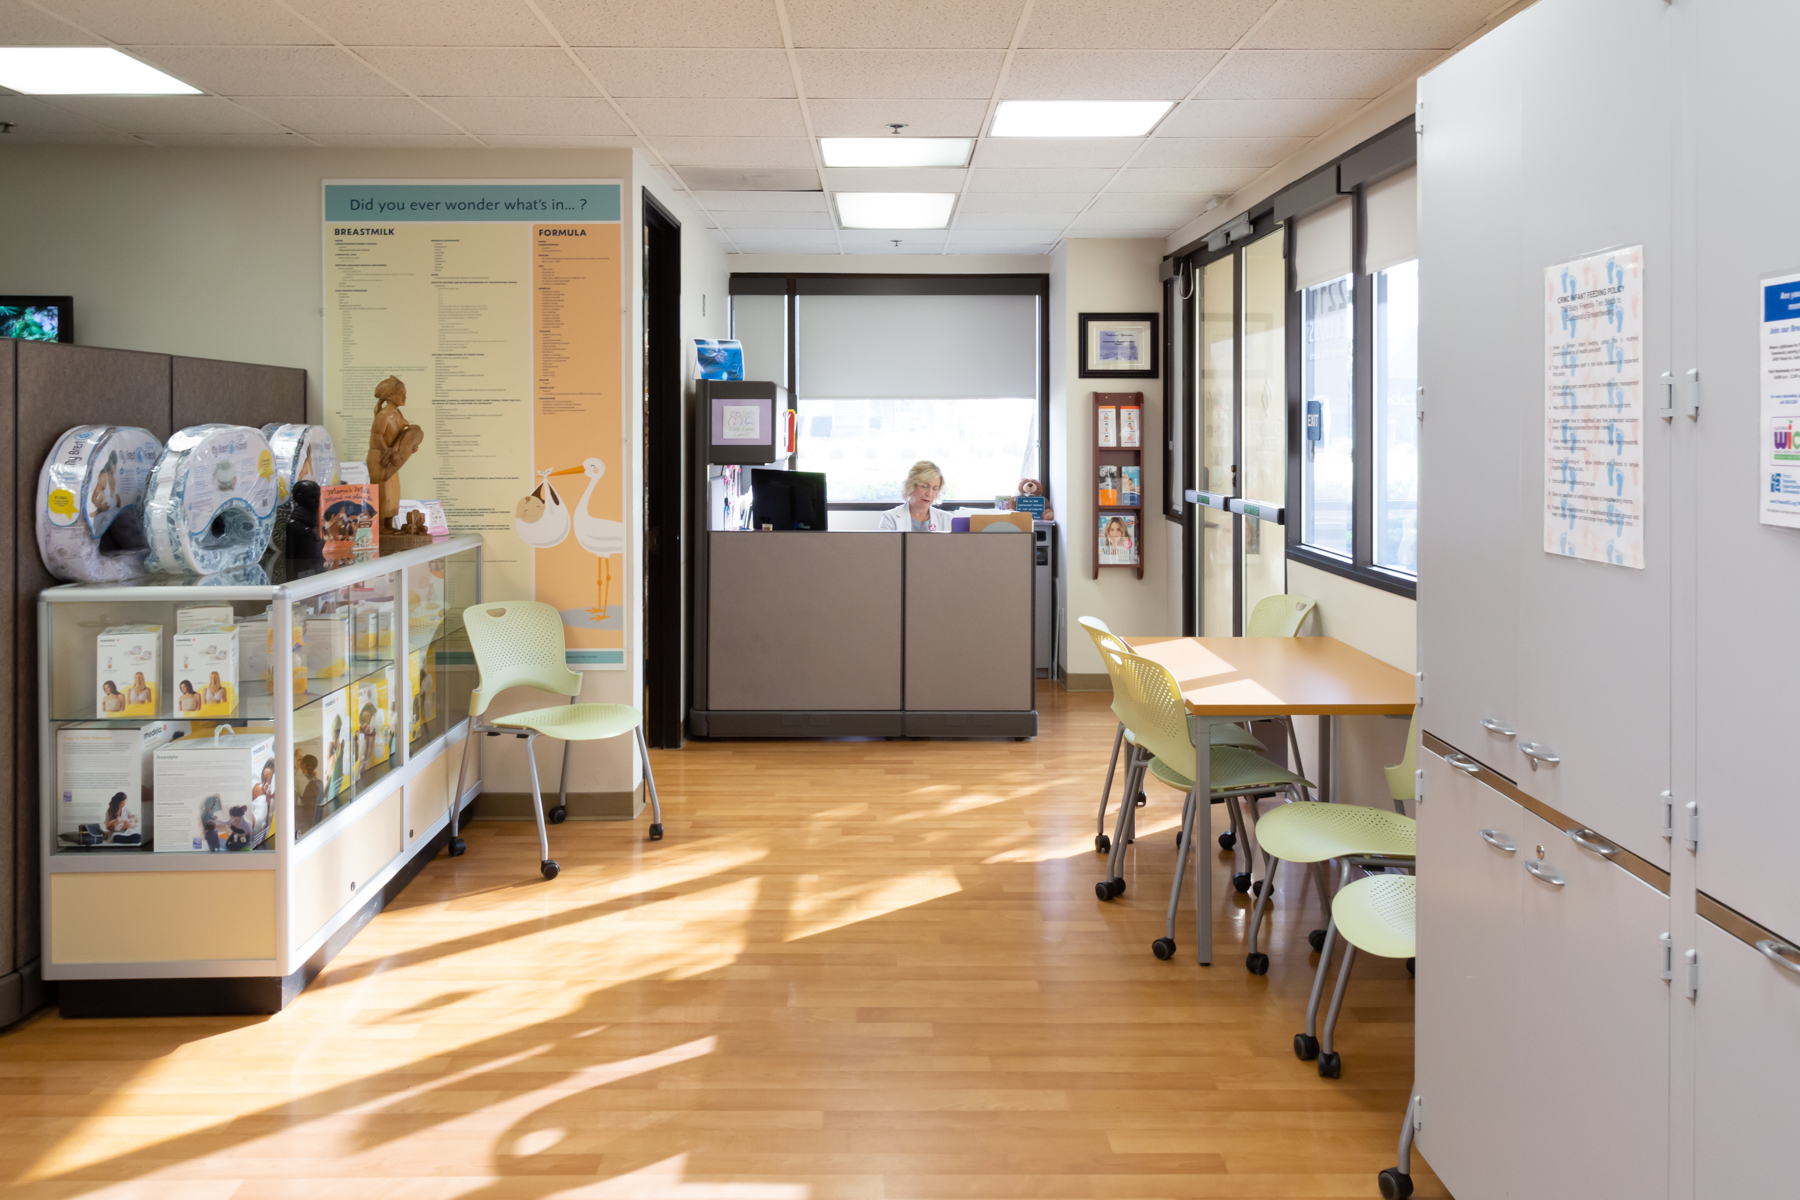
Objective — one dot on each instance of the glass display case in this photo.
(238, 770)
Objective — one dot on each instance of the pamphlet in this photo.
(1131, 485)
(1109, 427)
(1109, 486)
(1131, 425)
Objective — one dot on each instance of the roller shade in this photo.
(916, 347)
(1393, 208)
(760, 323)
(1322, 245)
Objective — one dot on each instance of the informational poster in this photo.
(1594, 408)
(497, 304)
(1780, 424)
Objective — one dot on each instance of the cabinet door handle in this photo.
(1496, 728)
(1463, 762)
(1498, 840)
(1781, 954)
(1544, 871)
(1538, 754)
(1587, 839)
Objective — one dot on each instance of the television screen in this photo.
(37, 318)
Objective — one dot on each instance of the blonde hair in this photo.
(922, 473)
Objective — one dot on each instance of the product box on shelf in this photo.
(103, 783)
(129, 659)
(328, 645)
(421, 671)
(206, 672)
(199, 616)
(324, 755)
(370, 716)
(253, 651)
(214, 794)
(374, 625)
(347, 514)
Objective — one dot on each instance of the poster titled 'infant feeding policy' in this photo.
(497, 304)
(1780, 424)
(1594, 408)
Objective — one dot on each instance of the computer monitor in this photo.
(786, 499)
(38, 318)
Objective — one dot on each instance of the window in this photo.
(1327, 384)
(864, 447)
(1396, 418)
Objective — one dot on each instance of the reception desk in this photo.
(865, 634)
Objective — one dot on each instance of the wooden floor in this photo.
(870, 969)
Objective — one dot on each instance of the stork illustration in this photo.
(597, 535)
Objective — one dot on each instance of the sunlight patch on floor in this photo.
(817, 910)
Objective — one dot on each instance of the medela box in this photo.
(328, 645)
(103, 783)
(129, 661)
(199, 616)
(374, 625)
(206, 672)
(214, 794)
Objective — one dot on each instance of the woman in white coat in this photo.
(923, 484)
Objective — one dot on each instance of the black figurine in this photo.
(303, 541)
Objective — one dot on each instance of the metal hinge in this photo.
(1418, 1107)
(1693, 974)
(1419, 116)
(1419, 693)
(1419, 786)
(1421, 404)
(1668, 825)
(1668, 951)
(1693, 836)
(1683, 394)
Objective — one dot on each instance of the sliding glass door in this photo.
(1262, 570)
(1216, 349)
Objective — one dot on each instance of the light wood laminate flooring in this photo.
(871, 970)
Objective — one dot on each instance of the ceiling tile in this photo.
(1113, 224)
(1389, 25)
(167, 114)
(893, 179)
(1253, 118)
(752, 179)
(1211, 181)
(916, 24)
(922, 118)
(1314, 74)
(235, 141)
(1184, 207)
(329, 114)
(660, 116)
(996, 241)
(563, 141)
(707, 73)
(1144, 24)
(21, 25)
(1068, 203)
(1018, 179)
(270, 70)
(394, 141)
(533, 116)
(786, 241)
(437, 23)
(881, 74)
(724, 202)
(1026, 226)
(734, 152)
(1216, 152)
(881, 241)
(727, 24)
(189, 22)
(1107, 74)
(1054, 152)
(483, 71)
(35, 122)
(735, 221)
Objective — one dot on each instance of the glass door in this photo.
(1262, 566)
(1216, 452)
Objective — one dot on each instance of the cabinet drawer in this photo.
(338, 873)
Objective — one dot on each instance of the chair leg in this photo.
(1328, 1059)
(1106, 789)
(545, 862)
(1188, 812)
(656, 828)
(457, 846)
(1115, 862)
(1318, 987)
(1294, 745)
(1262, 905)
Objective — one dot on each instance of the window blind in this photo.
(923, 347)
(1322, 245)
(1393, 208)
(760, 323)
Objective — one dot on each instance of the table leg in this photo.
(1202, 838)
(1326, 791)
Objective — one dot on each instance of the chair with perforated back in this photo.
(519, 643)
(1147, 698)
(1282, 616)
(1376, 914)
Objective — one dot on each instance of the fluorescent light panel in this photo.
(83, 71)
(895, 210)
(896, 152)
(1077, 118)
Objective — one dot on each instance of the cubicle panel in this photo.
(962, 656)
(204, 390)
(804, 621)
(18, 856)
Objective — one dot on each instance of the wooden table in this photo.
(1226, 680)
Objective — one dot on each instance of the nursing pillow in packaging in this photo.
(301, 452)
(90, 503)
(211, 503)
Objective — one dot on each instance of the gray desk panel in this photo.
(969, 622)
(804, 621)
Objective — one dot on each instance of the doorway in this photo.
(664, 673)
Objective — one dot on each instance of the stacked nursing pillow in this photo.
(211, 501)
(90, 503)
(301, 452)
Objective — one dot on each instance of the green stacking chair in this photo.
(1376, 914)
(1282, 616)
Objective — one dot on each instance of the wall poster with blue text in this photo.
(1594, 408)
(1779, 428)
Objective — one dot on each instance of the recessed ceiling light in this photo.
(895, 210)
(83, 71)
(1077, 118)
(896, 152)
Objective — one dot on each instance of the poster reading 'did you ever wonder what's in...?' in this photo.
(1594, 408)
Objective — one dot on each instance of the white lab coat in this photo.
(899, 519)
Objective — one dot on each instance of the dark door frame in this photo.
(664, 674)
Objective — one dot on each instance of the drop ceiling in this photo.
(731, 95)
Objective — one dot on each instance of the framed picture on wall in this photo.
(1119, 345)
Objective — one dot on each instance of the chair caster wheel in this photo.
(1118, 887)
(558, 815)
(1316, 939)
(1409, 968)
(1163, 948)
(1395, 1185)
(1257, 887)
(1241, 882)
(1227, 840)
(1306, 1047)
(1178, 839)
(1330, 1065)
(549, 868)
(1102, 843)
(656, 831)
(1106, 889)
(1141, 800)
(1257, 964)
(457, 847)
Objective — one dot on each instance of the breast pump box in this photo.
(214, 794)
(328, 645)
(103, 783)
(129, 661)
(206, 672)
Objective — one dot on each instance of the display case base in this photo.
(836, 724)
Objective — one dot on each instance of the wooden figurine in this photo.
(392, 441)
